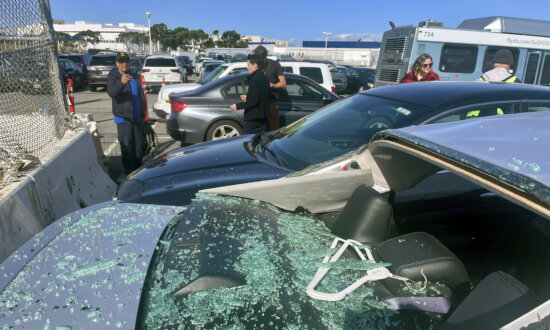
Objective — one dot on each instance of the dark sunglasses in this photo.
(427, 65)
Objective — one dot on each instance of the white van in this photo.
(318, 72)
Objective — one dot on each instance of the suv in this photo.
(81, 60)
(99, 68)
(159, 68)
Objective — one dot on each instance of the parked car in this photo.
(159, 68)
(249, 255)
(318, 72)
(209, 67)
(340, 82)
(360, 79)
(205, 63)
(198, 63)
(69, 70)
(203, 114)
(332, 131)
(81, 60)
(186, 62)
(331, 65)
(341, 69)
(99, 68)
(162, 106)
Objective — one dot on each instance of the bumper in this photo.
(97, 80)
(179, 134)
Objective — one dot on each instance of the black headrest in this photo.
(366, 218)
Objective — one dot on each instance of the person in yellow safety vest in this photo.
(502, 61)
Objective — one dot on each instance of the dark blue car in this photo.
(339, 128)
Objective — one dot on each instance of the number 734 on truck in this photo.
(465, 52)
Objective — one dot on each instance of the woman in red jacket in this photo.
(421, 70)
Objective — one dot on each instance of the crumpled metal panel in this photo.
(512, 148)
(84, 271)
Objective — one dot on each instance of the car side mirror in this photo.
(327, 98)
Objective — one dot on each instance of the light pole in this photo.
(326, 42)
(149, 22)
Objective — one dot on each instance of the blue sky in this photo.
(294, 20)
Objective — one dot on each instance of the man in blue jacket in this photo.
(129, 111)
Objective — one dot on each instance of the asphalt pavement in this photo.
(99, 105)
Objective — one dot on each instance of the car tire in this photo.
(93, 88)
(223, 129)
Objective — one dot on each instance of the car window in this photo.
(301, 91)
(103, 60)
(160, 62)
(479, 111)
(288, 69)
(340, 128)
(314, 74)
(235, 91)
(545, 76)
(533, 107)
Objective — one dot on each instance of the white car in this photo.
(198, 63)
(159, 68)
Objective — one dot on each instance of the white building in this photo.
(109, 33)
(261, 40)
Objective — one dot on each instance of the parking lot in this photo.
(99, 105)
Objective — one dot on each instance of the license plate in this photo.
(105, 72)
(160, 76)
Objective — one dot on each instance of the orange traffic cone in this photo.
(71, 95)
(144, 86)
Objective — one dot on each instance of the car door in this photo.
(353, 81)
(299, 99)
(232, 93)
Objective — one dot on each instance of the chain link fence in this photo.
(33, 114)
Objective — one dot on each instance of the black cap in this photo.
(122, 57)
(504, 56)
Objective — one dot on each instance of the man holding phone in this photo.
(129, 112)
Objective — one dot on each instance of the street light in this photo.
(149, 22)
(326, 42)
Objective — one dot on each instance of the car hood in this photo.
(85, 270)
(175, 177)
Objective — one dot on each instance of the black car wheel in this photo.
(223, 129)
(93, 88)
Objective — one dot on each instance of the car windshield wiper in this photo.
(262, 147)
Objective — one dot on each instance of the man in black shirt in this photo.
(274, 72)
(255, 103)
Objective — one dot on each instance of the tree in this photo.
(64, 44)
(131, 39)
(231, 39)
(90, 37)
(159, 33)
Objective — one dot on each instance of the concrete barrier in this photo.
(69, 179)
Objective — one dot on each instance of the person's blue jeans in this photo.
(131, 137)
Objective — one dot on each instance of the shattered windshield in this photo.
(245, 264)
(340, 128)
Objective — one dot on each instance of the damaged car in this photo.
(336, 129)
(440, 226)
